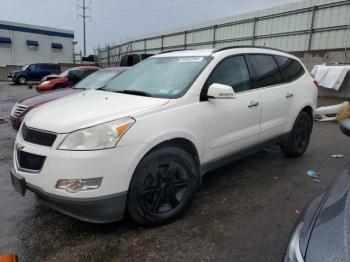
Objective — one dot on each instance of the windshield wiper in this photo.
(133, 92)
(103, 88)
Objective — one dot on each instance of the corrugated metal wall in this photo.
(302, 26)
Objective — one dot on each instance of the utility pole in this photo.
(84, 16)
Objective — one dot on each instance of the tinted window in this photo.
(144, 56)
(43, 66)
(130, 60)
(291, 68)
(233, 72)
(267, 72)
(31, 67)
(124, 61)
(53, 67)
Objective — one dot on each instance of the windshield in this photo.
(64, 73)
(97, 80)
(25, 67)
(166, 77)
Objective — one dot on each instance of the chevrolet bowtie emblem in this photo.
(19, 146)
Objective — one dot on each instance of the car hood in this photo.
(37, 100)
(330, 237)
(50, 77)
(88, 108)
(16, 71)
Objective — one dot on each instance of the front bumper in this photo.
(10, 77)
(16, 122)
(96, 210)
(115, 165)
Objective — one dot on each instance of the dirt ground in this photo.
(244, 211)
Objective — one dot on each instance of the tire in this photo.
(22, 80)
(162, 186)
(299, 137)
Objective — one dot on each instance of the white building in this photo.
(24, 44)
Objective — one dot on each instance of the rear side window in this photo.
(45, 66)
(232, 71)
(53, 67)
(267, 72)
(38, 67)
(291, 68)
(144, 56)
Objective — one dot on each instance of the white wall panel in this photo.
(19, 53)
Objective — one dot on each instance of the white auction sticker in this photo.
(191, 59)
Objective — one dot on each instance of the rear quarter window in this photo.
(54, 67)
(291, 68)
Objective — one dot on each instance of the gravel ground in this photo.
(244, 211)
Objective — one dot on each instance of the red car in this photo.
(94, 81)
(52, 82)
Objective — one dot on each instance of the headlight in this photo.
(45, 83)
(293, 252)
(97, 137)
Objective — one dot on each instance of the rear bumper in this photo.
(105, 209)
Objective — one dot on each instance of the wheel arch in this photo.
(21, 75)
(179, 142)
(309, 110)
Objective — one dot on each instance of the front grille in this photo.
(38, 137)
(30, 161)
(18, 110)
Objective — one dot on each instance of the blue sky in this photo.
(116, 20)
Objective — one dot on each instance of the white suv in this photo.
(141, 144)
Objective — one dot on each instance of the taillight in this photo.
(316, 83)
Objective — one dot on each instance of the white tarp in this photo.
(330, 76)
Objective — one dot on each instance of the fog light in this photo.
(76, 185)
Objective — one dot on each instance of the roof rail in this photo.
(245, 46)
(174, 50)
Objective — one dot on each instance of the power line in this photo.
(84, 16)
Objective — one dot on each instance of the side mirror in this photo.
(219, 91)
(345, 127)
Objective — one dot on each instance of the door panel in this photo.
(276, 97)
(230, 125)
(276, 107)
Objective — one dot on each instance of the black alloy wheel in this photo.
(162, 186)
(299, 137)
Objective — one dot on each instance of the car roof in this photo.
(86, 68)
(116, 68)
(196, 52)
(233, 49)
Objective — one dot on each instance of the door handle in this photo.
(253, 104)
(289, 95)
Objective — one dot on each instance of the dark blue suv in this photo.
(33, 72)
